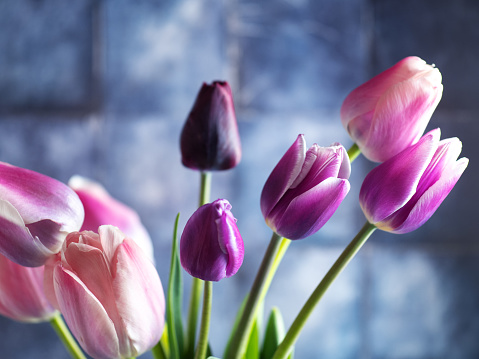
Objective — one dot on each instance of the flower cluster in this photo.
(76, 252)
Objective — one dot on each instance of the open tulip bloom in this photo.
(79, 252)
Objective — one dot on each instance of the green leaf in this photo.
(174, 300)
(274, 334)
(213, 358)
(235, 324)
(253, 346)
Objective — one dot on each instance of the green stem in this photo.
(158, 351)
(66, 337)
(239, 341)
(197, 284)
(353, 152)
(205, 321)
(293, 333)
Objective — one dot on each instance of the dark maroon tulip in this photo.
(210, 138)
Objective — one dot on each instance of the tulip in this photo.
(211, 247)
(22, 297)
(108, 292)
(210, 138)
(391, 111)
(401, 194)
(36, 214)
(101, 208)
(305, 189)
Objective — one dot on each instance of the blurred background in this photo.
(102, 88)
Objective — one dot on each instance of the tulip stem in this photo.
(292, 335)
(256, 294)
(205, 321)
(353, 152)
(66, 337)
(197, 284)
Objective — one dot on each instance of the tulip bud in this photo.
(211, 247)
(21, 293)
(305, 189)
(101, 208)
(401, 194)
(36, 213)
(391, 111)
(210, 138)
(108, 292)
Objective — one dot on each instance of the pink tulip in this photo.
(305, 189)
(391, 111)
(22, 297)
(108, 292)
(36, 214)
(101, 208)
(210, 138)
(401, 194)
(211, 246)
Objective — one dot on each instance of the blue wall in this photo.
(101, 89)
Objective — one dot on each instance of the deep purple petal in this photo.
(307, 213)
(391, 185)
(283, 175)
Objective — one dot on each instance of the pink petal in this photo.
(283, 175)
(85, 316)
(16, 242)
(391, 185)
(139, 298)
(22, 296)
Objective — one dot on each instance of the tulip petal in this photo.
(21, 293)
(391, 185)
(283, 175)
(230, 241)
(87, 319)
(401, 117)
(16, 241)
(139, 297)
(37, 197)
(307, 213)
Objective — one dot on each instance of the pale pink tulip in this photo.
(101, 208)
(391, 111)
(109, 293)
(22, 297)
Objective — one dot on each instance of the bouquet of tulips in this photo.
(76, 257)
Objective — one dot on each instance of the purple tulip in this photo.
(211, 247)
(391, 111)
(401, 194)
(22, 297)
(305, 189)
(36, 214)
(210, 138)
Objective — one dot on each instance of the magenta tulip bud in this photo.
(36, 214)
(391, 111)
(210, 138)
(109, 293)
(401, 194)
(305, 189)
(22, 297)
(211, 247)
(101, 209)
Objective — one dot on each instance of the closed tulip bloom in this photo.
(211, 247)
(305, 189)
(101, 208)
(210, 138)
(402, 193)
(36, 214)
(22, 297)
(108, 292)
(391, 111)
